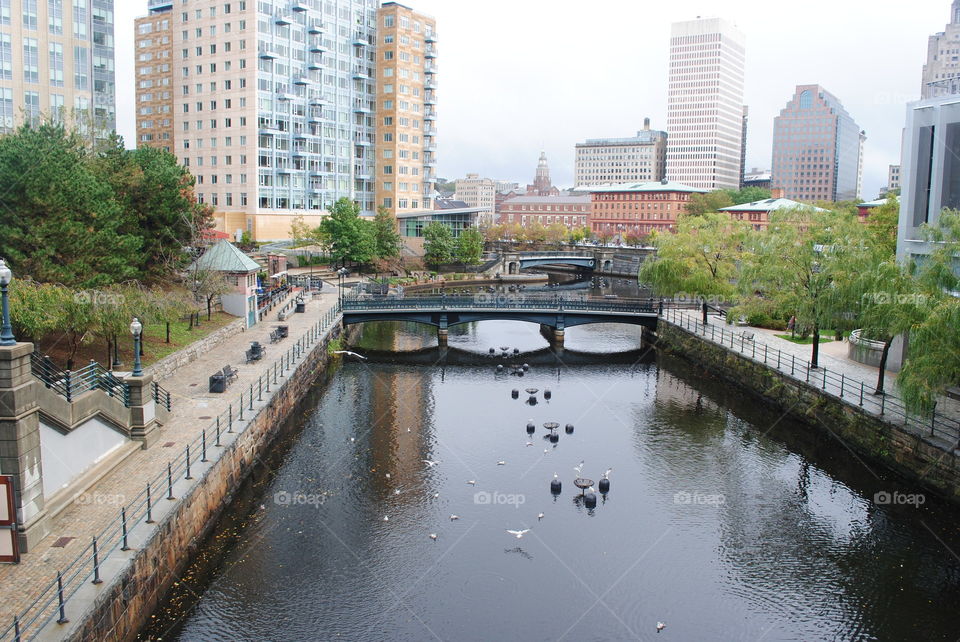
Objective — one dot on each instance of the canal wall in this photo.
(916, 457)
(159, 559)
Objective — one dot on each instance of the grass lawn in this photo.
(154, 337)
(824, 338)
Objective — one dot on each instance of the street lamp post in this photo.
(6, 332)
(135, 329)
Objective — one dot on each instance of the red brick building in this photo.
(637, 208)
(570, 211)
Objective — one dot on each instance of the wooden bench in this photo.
(275, 336)
(746, 335)
(253, 355)
(742, 321)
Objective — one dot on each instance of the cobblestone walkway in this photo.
(193, 409)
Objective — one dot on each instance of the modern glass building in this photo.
(57, 58)
(817, 148)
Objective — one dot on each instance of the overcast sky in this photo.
(520, 75)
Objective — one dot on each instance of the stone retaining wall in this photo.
(921, 459)
(168, 365)
(122, 610)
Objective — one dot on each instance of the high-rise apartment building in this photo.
(941, 73)
(406, 112)
(604, 161)
(705, 104)
(57, 58)
(154, 76)
(273, 104)
(476, 191)
(893, 177)
(817, 148)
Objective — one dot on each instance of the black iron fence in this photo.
(161, 396)
(72, 383)
(848, 389)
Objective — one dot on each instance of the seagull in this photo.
(660, 626)
(388, 475)
(454, 517)
(435, 495)
(352, 354)
(578, 468)
(546, 450)
(539, 516)
(606, 475)
(386, 518)
(529, 443)
(433, 536)
(430, 464)
(472, 482)
(501, 463)
(518, 534)
(352, 440)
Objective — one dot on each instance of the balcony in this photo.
(431, 148)
(362, 173)
(430, 162)
(299, 5)
(430, 54)
(362, 108)
(282, 19)
(430, 101)
(430, 116)
(303, 80)
(265, 52)
(361, 73)
(285, 95)
(316, 46)
(430, 37)
(318, 101)
(315, 27)
(315, 65)
(430, 70)
(431, 84)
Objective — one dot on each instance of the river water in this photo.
(724, 520)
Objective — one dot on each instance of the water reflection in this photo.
(724, 520)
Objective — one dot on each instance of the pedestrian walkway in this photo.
(851, 382)
(193, 410)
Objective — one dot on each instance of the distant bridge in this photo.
(553, 314)
(601, 260)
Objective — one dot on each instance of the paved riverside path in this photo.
(192, 411)
(837, 375)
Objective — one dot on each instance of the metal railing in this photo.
(72, 383)
(161, 396)
(53, 600)
(495, 301)
(847, 389)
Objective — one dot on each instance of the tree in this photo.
(747, 195)
(386, 238)
(350, 238)
(701, 204)
(556, 234)
(933, 362)
(579, 234)
(882, 224)
(61, 223)
(469, 246)
(797, 261)
(699, 260)
(438, 245)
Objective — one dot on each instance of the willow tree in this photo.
(933, 362)
(797, 262)
(699, 260)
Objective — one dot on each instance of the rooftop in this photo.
(770, 205)
(876, 203)
(226, 257)
(660, 186)
(434, 213)
(643, 137)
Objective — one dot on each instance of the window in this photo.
(6, 58)
(80, 19)
(56, 64)
(32, 106)
(31, 60)
(80, 75)
(5, 20)
(6, 108)
(55, 16)
(389, 21)
(30, 14)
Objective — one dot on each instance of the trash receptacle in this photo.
(256, 350)
(301, 306)
(218, 383)
(284, 330)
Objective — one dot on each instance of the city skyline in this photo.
(578, 94)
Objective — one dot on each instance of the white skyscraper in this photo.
(705, 104)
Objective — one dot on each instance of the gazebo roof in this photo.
(226, 257)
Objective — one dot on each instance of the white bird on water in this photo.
(351, 354)
(660, 626)
(529, 443)
(430, 464)
(501, 463)
(539, 516)
(518, 534)
(606, 475)
(472, 482)
(386, 518)
(433, 536)
(578, 468)
(454, 517)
